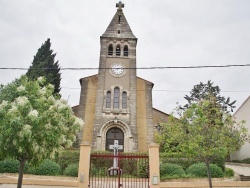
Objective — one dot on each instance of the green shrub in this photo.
(67, 157)
(182, 160)
(228, 172)
(220, 162)
(200, 170)
(132, 167)
(171, 170)
(99, 165)
(143, 169)
(246, 161)
(177, 159)
(31, 170)
(9, 166)
(47, 167)
(216, 171)
(71, 170)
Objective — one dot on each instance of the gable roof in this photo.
(119, 22)
(160, 111)
(248, 98)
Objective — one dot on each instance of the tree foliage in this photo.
(34, 124)
(203, 91)
(204, 130)
(44, 65)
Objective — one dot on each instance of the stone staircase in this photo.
(244, 178)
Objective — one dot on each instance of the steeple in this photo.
(119, 27)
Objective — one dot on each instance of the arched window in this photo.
(125, 50)
(114, 134)
(124, 100)
(116, 97)
(110, 50)
(108, 99)
(118, 50)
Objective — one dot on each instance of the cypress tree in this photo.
(44, 65)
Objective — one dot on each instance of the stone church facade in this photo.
(115, 104)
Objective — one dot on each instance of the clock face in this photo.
(117, 69)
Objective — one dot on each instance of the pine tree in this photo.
(44, 65)
(205, 91)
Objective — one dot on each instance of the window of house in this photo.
(118, 50)
(108, 99)
(110, 50)
(124, 100)
(125, 50)
(116, 97)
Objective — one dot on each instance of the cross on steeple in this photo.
(120, 5)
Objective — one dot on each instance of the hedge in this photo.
(178, 158)
(228, 172)
(169, 170)
(47, 167)
(71, 170)
(9, 166)
(67, 157)
(200, 170)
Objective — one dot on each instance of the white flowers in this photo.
(13, 109)
(26, 128)
(62, 139)
(41, 79)
(20, 88)
(61, 104)
(68, 143)
(48, 126)
(26, 132)
(36, 121)
(3, 105)
(22, 100)
(51, 99)
(79, 121)
(43, 91)
(35, 147)
(33, 113)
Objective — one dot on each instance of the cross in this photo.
(120, 5)
(115, 132)
(115, 147)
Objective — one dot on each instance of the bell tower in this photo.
(115, 109)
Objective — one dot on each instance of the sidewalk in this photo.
(239, 168)
(29, 186)
(35, 181)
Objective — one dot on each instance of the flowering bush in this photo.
(34, 124)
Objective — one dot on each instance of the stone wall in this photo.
(86, 108)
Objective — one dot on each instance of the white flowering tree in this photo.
(34, 125)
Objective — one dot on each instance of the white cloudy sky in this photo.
(169, 32)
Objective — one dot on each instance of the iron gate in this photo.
(132, 171)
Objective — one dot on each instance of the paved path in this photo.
(29, 186)
(241, 169)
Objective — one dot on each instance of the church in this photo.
(116, 104)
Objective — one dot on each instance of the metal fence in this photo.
(122, 170)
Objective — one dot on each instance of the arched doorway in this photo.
(114, 134)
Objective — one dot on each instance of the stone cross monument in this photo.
(114, 170)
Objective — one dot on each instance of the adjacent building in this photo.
(243, 113)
